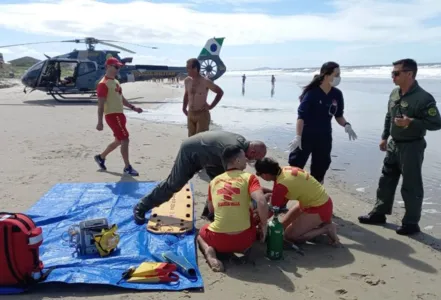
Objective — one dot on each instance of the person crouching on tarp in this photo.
(229, 198)
(313, 214)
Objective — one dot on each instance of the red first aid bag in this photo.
(20, 239)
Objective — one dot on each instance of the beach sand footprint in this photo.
(368, 278)
(426, 296)
(342, 294)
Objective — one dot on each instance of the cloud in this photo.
(361, 21)
(247, 9)
(234, 2)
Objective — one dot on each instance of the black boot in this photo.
(372, 219)
(408, 229)
(206, 213)
(139, 215)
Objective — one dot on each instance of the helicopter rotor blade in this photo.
(117, 47)
(150, 47)
(89, 40)
(24, 44)
(47, 42)
(74, 41)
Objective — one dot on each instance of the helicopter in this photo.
(87, 67)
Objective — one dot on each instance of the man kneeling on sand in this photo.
(312, 216)
(229, 198)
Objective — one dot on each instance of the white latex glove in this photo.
(350, 132)
(295, 143)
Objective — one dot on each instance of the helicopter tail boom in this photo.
(211, 66)
(136, 73)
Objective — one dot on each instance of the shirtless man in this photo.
(195, 98)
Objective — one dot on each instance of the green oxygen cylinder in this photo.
(274, 244)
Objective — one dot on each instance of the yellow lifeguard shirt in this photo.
(296, 184)
(230, 194)
(110, 88)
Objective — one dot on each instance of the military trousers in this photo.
(187, 163)
(402, 159)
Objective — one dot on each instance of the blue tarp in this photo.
(67, 204)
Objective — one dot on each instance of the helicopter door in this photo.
(86, 75)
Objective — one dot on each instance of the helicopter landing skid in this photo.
(72, 99)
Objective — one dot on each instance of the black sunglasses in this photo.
(397, 73)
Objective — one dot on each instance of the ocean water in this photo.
(259, 112)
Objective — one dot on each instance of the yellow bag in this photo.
(107, 240)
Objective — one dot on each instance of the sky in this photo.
(258, 33)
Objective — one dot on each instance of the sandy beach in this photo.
(45, 142)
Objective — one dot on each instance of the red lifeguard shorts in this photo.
(324, 211)
(229, 243)
(117, 123)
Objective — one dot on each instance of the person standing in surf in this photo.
(320, 102)
(195, 105)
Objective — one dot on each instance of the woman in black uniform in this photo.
(320, 101)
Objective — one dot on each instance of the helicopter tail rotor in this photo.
(211, 64)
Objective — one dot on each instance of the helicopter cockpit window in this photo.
(86, 67)
(37, 66)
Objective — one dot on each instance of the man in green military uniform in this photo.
(411, 112)
(200, 151)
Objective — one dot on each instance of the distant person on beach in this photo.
(195, 105)
(411, 111)
(320, 102)
(312, 216)
(243, 79)
(273, 80)
(200, 151)
(110, 106)
(234, 229)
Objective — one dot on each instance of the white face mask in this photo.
(336, 81)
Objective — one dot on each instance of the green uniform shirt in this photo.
(209, 145)
(416, 104)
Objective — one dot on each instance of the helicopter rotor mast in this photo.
(89, 41)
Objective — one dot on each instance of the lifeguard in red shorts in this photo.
(229, 198)
(313, 214)
(110, 106)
